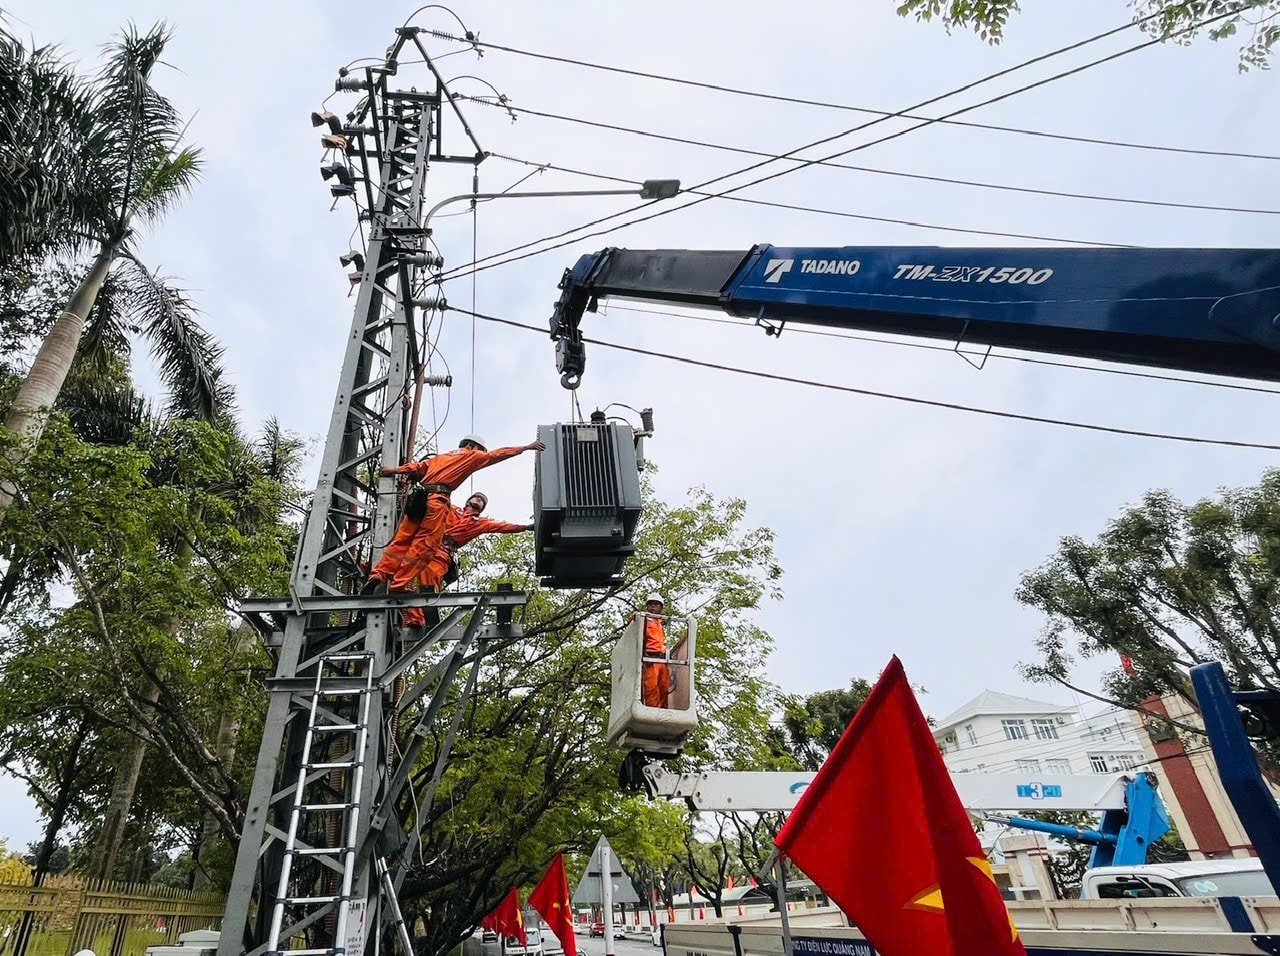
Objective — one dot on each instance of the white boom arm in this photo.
(773, 790)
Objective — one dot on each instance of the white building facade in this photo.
(1001, 733)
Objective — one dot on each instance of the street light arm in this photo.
(649, 189)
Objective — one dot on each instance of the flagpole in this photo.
(606, 897)
(780, 882)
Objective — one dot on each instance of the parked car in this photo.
(597, 929)
(1237, 877)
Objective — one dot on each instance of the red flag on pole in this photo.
(551, 898)
(885, 785)
(506, 920)
(1127, 663)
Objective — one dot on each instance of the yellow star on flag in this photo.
(931, 899)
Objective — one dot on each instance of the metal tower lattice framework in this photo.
(391, 138)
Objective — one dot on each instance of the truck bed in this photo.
(1158, 927)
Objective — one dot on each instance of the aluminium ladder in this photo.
(331, 751)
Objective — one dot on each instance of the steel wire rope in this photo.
(745, 151)
(608, 308)
(909, 399)
(755, 182)
(845, 107)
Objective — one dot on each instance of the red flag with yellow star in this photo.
(506, 918)
(881, 829)
(551, 898)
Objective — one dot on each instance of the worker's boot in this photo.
(412, 633)
(374, 586)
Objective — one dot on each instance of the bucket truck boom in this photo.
(1213, 311)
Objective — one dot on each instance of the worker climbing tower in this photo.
(329, 820)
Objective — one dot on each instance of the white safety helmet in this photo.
(481, 495)
(652, 599)
(475, 440)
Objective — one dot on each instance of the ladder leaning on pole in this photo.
(328, 787)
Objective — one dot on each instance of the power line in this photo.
(845, 107)
(723, 147)
(840, 213)
(755, 182)
(1030, 360)
(910, 399)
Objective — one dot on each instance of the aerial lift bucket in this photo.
(659, 731)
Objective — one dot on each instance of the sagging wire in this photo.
(908, 399)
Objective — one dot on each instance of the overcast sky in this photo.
(901, 528)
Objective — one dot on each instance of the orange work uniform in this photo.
(462, 527)
(441, 475)
(655, 676)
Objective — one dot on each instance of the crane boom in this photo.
(1213, 311)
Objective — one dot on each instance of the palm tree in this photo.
(134, 170)
(46, 117)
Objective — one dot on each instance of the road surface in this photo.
(621, 947)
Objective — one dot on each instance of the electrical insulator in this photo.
(598, 417)
(431, 302)
(646, 420)
(440, 381)
(349, 84)
(428, 259)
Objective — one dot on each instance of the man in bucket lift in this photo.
(463, 526)
(655, 676)
(422, 528)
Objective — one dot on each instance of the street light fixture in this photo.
(324, 118)
(340, 170)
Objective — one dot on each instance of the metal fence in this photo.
(64, 915)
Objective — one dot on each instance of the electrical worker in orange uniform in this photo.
(415, 543)
(655, 676)
(463, 526)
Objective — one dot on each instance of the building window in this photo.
(1028, 766)
(1122, 762)
(1097, 763)
(973, 738)
(1014, 729)
(1044, 728)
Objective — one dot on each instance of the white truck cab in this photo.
(1228, 877)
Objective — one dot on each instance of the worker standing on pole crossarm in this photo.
(655, 681)
(462, 526)
(439, 476)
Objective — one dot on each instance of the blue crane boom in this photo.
(1214, 311)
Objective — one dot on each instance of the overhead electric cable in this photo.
(828, 212)
(845, 107)
(871, 393)
(755, 182)
(605, 311)
(1007, 187)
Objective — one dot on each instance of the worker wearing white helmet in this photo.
(655, 676)
(464, 525)
(417, 539)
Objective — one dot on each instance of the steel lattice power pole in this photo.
(327, 797)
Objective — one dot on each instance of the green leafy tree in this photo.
(139, 172)
(158, 539)
(1258, 21)
(530, 772)
(1169, 585)
(813, 724)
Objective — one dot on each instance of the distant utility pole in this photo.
(325, 838)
